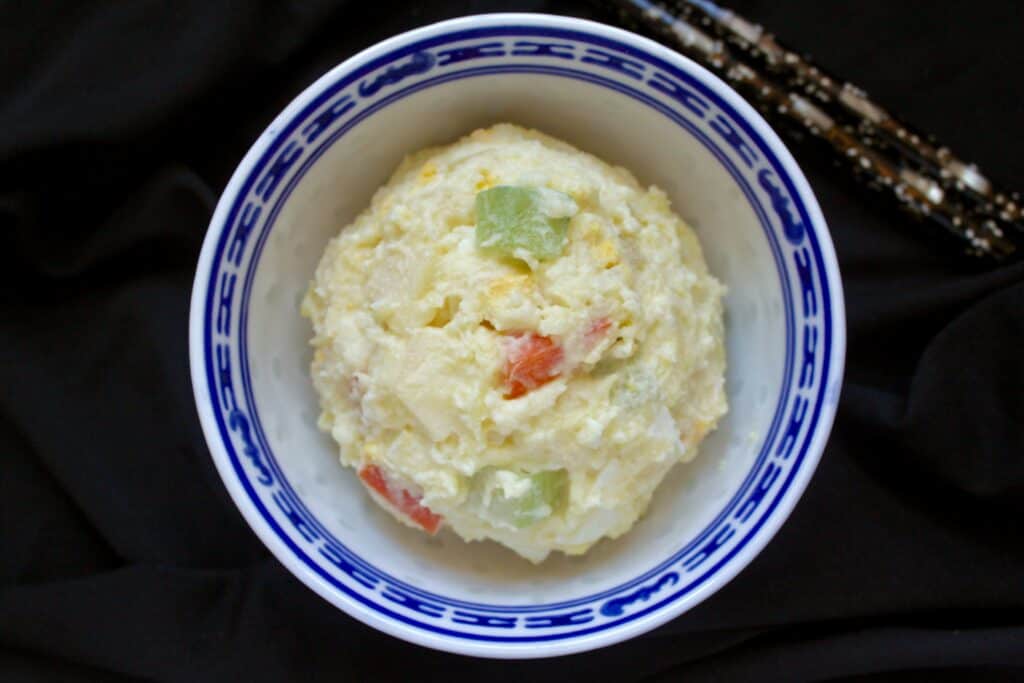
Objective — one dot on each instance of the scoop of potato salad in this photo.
(516, 341)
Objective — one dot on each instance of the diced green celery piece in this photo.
(510, 218)
(518, 498)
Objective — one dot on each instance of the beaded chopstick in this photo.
(922, 177)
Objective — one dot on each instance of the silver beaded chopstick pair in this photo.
(924, 178)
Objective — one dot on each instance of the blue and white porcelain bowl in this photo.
(631, 102)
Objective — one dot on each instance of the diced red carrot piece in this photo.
(373, 477)
(405, 502)
(532, 360)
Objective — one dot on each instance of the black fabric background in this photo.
(122, 557)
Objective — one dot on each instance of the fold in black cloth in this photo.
(122, 557)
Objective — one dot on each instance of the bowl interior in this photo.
(618, 129)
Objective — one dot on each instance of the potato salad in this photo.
(516, 341)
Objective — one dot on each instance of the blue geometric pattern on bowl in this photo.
(473, 54)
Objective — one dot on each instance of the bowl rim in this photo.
(618, 633)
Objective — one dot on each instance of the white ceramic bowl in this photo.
(631, 102)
